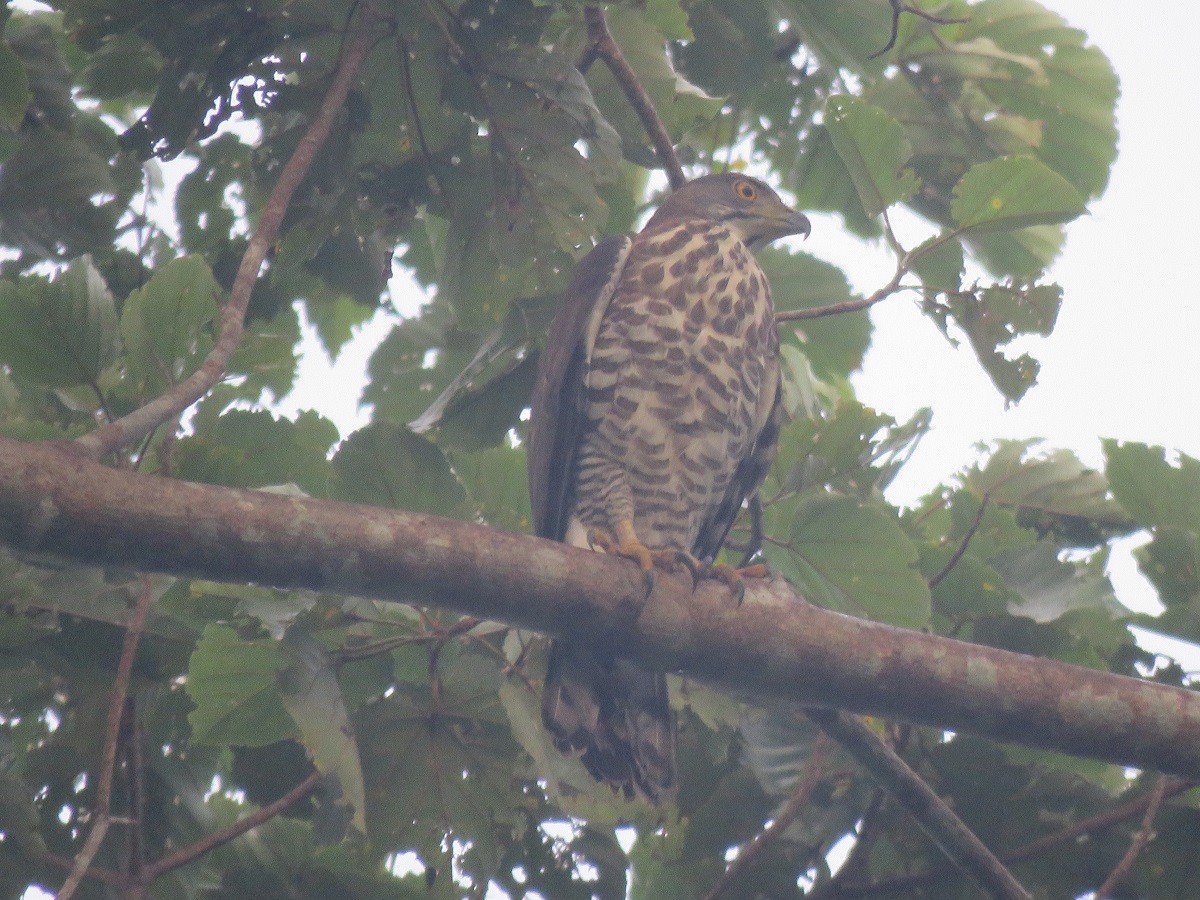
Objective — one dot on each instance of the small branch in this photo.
(139, 423)
(929, 810)
(1143, 837)
(426, 156)
(112, 735)
(108, 876)
(854, 869)
(237, 829)
(605, 48)
(898, 7)
(903, 267)
(814, 767)
(836, 309)
(961, 549)
(1091, 825)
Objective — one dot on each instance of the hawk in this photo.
(655, 415)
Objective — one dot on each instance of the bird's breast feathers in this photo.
(682, 372)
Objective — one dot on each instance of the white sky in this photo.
(1121, 361)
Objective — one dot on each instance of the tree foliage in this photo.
(482, 148)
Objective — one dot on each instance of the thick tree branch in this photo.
(52, 501)
(142, 421)
(603, 47)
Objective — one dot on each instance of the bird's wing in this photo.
(555, 419)
(747, 478)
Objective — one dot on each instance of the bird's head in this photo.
(750, 208)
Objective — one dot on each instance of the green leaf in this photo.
(939, 265)
(1052, 491)
(163, 323)
(242, 448)
(1048, 588)
(450, 761)
(14, 88)
(62, 332)
(1165, 498)
(874, 149)
(312, 696)
(835, 345)
(266, 358)
(234, 684)
(335, 321)
(1014, 192)
(387, 465)
(1152, 490)
(995, 316)
(850, 556)
(482, 418)
(495, 479)
(669, 17)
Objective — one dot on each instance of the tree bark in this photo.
(56, 502)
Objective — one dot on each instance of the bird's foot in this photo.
(623, 541)
(734, 577)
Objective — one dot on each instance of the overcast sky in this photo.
(1121, 362)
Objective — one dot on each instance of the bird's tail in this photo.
(615, 716)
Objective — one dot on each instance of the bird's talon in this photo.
(735, 578)
(648, 580)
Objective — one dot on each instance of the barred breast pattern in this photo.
(681, 379)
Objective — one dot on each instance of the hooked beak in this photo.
(795, 223)
(788, 221)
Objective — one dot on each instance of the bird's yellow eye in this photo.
(745, 190)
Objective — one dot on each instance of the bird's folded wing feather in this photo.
(555, 422)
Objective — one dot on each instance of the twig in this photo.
(931, 813)
(898, 7)
(108, 876)
(112, 734)
(139, 423)
(903, 267)
(854, 869)
(135, 768)
(848, 306)
(237, 829)
(1091, 825)
(606, 49)
(1144, 835)
(961, 549)
(426, 156)
(814, 767)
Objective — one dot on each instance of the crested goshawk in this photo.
(655, 415)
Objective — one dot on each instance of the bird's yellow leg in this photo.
(623, 541)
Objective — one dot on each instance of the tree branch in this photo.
(236, 830)
(814, 767)
(1091, 825)
(1144, 835)
(112, 736)
(961, 549)
(604, 47)
(930, 811)
(53, 502)
(139, 423)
